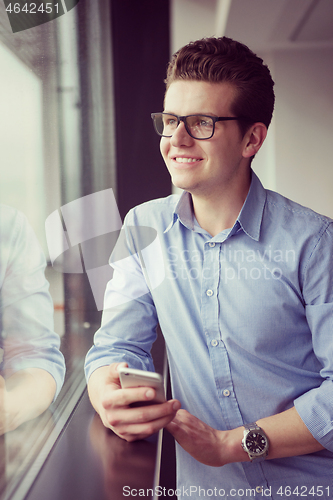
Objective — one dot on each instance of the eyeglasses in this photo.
(199, 127)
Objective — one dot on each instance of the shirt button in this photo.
(226, 393)
(259, 489)
(214, 342)
(209, 293)
(211, 244)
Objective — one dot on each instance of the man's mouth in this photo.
(186, 160)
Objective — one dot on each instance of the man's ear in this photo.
(253, 139)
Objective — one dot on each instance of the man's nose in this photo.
(181, 136)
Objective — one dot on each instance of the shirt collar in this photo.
(249, 218)
(251, 214)
(183, 212)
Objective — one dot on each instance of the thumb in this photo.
(113, 375)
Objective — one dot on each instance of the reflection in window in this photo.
(56, 146)
(21, 152)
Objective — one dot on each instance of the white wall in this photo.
(304, 127)
(191, 20)
(297, 160)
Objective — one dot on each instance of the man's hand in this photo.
(23, 396)
(207, 445)
(113, 405)
(9, 409)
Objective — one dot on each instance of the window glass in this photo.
(52, 154)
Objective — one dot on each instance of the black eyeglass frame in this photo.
(183, 119)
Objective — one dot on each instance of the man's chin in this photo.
(180, 183)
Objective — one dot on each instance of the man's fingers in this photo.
(141, 421)
(116, 405)
(131, 415)
(125, 397)
(178, 424)
(113, 375)
(132, 432)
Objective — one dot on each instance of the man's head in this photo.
(218, 60)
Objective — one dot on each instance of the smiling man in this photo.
(195, 164)
(246, 305)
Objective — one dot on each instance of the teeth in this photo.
(186, 160)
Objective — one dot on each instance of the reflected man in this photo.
(32, 367)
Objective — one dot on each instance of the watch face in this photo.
(255, 443)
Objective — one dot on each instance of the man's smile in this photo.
(180, 159)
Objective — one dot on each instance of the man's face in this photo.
(209, 166)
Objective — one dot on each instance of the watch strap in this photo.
(254, 427)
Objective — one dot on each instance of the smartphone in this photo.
(130, 377)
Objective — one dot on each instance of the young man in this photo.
(246, 304)
(32, 368)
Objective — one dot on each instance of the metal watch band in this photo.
(254, 427)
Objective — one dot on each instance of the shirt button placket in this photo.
(210, 296)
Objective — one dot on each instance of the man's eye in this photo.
(205, 123)
(170, 121)
(201, 122)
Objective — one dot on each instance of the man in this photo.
(246, 304)
(32, 368)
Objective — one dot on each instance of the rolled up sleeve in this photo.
(316, 406)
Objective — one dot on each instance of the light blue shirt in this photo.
(247, 317)
(27, 336)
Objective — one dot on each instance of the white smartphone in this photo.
(130, 377)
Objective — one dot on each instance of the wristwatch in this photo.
(255, 442)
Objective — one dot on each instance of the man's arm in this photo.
(23, 396)
(112, 404)
(288, 436)
(27, 334)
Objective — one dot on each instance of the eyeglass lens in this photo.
(198, 126)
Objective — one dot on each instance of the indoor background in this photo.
(75, 101)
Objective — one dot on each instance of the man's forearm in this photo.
(28, 393)
(287, 434)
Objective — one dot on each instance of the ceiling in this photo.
(261, 24)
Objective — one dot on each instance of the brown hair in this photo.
(218, 60)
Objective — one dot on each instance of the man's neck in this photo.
(217, 213)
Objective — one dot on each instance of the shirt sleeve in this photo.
(129, 319)
(28, 338)
(315, 407)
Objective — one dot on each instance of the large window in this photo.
(56, 136)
